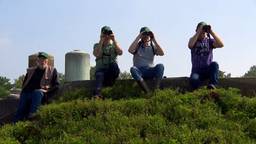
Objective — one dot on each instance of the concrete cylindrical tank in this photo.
(77, 66)
(32, 60)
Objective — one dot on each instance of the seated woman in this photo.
(106, 51)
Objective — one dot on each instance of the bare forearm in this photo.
(118, 49)
(217, 43)
(134, 45)
(193, 40)
(97, 52)
(159, 50)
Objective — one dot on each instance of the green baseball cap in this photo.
(145, 29)
(201, 23)
(43, 55)
(105, 29)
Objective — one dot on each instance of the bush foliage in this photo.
(5, 86)
(165, 116)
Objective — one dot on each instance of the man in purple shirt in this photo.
(201, 46)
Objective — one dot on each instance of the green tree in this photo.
(223, 75)
(125, 75)
(251, 72)
(5, 86)
(3, 92)
(61, 78)
(5, 82)
(19, 81)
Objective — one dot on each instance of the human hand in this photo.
(102, 38)
(43, 90)
(139, 36)
(200, 29)
(112, 37)
(152, 36)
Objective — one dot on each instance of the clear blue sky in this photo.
(60, 26)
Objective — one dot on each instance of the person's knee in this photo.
(133, 69)
(194, 77)
(135, 72)
(38, 92)
(160, 67)
(99, 74)
(214, 65)
(116, 72)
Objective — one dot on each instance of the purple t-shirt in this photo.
(201, 54)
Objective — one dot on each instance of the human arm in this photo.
(97, 49)
(134, 46)
(118, 49)
(217, 41)
(192, 41)
(159, 51)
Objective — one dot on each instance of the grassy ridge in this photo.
(165, 116)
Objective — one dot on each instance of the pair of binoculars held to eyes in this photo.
(148, 34)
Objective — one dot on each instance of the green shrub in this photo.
(4, 92)
(123, 90)
(73, 95)
(251, 128)
(165, 116)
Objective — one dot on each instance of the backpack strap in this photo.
(153, 48)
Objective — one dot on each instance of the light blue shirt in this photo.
(144, 57)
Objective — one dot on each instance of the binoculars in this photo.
(148, 34)
(206, 28)
(109, 32)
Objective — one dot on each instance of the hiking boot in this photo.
(211, 86)
(31, 116)
(157, 83)
(98, 97)
(143, 86)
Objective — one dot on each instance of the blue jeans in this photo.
(147, 72)
(106, 77)
(211, 72)
(28, 104)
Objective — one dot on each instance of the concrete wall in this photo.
(246, 85)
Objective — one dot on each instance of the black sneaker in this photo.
(98, 97)
(31, 116)
(211, 86)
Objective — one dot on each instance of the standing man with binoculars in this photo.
(201, 46)
(144, 48)
(106, 51)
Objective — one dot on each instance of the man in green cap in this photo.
(144, 48)
(39, 81)
(106, 52)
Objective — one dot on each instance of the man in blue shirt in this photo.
(144, 48)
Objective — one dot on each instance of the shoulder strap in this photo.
(153, 48)
(139, 45)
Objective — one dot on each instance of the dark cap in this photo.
(43, 55)
(145, 29)
(201, 23)
(105, 29)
